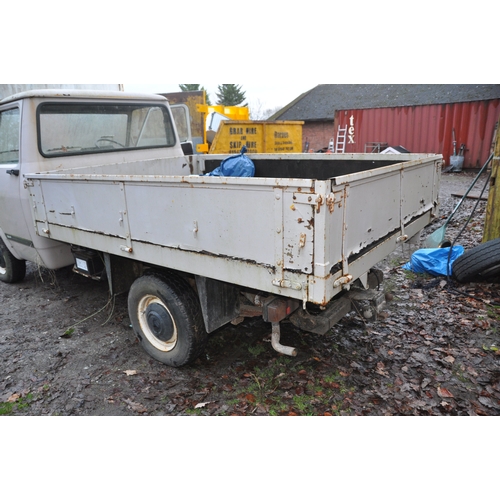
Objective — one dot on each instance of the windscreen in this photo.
(77, 128)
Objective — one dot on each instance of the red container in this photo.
(425, 129)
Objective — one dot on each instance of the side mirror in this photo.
(187, 148)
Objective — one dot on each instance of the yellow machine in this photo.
(225, 129)
(258, 137)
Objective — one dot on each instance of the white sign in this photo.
(350, 132)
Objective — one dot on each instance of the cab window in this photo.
(73, 128)
(9, 136)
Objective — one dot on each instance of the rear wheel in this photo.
(166, 316)
(481, 263)
(12, 270)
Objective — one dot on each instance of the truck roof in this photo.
(84, 94)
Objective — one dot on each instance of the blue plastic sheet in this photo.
(235, 166)
(434, 261)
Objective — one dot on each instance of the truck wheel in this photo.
(166, 316)
(12, 270)
(480, 263)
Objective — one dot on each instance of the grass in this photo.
(256, 350)
(284, 389)
(19, 405)
(493, 312)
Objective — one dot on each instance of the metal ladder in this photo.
(341, 137)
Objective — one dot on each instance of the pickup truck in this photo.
(100, 181)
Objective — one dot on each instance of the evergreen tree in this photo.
(189, 87)
(230, 94)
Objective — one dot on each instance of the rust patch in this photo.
(302, 240)
(319, 201)
(330, 202)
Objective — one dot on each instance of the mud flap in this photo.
(220, 302)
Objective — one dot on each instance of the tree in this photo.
(230, 94)
(258, 112)
(189, 87)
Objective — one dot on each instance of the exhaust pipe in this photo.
(275, 342)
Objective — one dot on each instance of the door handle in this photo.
(13, 171)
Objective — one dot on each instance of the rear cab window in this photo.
(81, 128)
(9, 136)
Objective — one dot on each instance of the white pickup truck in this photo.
(100, 181)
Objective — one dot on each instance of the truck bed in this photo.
(303, 227)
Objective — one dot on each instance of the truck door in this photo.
(13, 227)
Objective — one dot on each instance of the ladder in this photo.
(341, 136)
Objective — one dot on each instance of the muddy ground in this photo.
(65, 349)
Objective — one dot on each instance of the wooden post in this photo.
(492, 220)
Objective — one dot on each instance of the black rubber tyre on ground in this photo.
(166, 316)
(12, 270)
(481, 263)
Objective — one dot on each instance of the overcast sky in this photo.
(267, 96)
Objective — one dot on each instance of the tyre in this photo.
(481, 263)
(12, 270)
(166, 316)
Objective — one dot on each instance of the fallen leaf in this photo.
(14, 398)
(202, 405)
(135, 406)
(425, 382)
(381, 369)
(489, 402)
(444, 393)
(446, 405)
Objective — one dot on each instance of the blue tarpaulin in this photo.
(434, 261)
(235, 166)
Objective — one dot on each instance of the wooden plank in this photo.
(471, 195)
(492, 219)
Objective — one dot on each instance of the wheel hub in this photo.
(159, 322)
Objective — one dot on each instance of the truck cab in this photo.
(48, 130)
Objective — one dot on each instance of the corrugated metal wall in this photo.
(425, 129)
